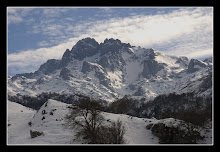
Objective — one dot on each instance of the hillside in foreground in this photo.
(50, 120)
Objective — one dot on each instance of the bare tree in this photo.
(87, 119)
(117, 131)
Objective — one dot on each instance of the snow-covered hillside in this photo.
(113, 69)
(49, 119)
(18, 118)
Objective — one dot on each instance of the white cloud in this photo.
(14, 19)
(16, 14)
(69, 19)
(43, 43)
(53, 12)
(147, 31)
(198, 53)
(187, 32)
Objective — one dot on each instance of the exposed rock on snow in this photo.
(65, 74)
(195, 65)
(151, 67)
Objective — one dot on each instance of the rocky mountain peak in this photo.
(50, 66)
(208, 60)
(85, 42)
(195, 65)
(84, 48)
(113, 46)
(89, 46)
(112, 41)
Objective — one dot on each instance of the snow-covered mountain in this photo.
(112, 69)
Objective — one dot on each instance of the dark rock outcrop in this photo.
(35, 133)
(206, 84)
(113, 46)
(100, 73)
(49, 67)
(86, 67)
(183, 60)
(208, 60)
(151, 67)
(104, 62)
(116, 62)
(194, 65)
(65, 59)
(27, 75)
(65, 74)
(85, 48)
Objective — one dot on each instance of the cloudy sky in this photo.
(36, 34)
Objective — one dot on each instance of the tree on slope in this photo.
(86, 117)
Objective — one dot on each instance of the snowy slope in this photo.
(18, 118)
(52, 125)
(136, 132)
(56, 132)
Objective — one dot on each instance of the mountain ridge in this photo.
(112, 69)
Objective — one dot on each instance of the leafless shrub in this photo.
(87, 119)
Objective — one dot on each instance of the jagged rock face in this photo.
(27, 75)
(100, 73)
(194, 65)
(86, 67)
(206, 84)
(50, 66)
(88, 47)
(113, 46)
(65, 59)
(208, 60)
(116, 62)
(113, 69)
(151, 67)
(104, 62)
(85, 48)
(65, 74)
(103, 79)
(183, 60)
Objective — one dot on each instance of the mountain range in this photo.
(113, 69)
